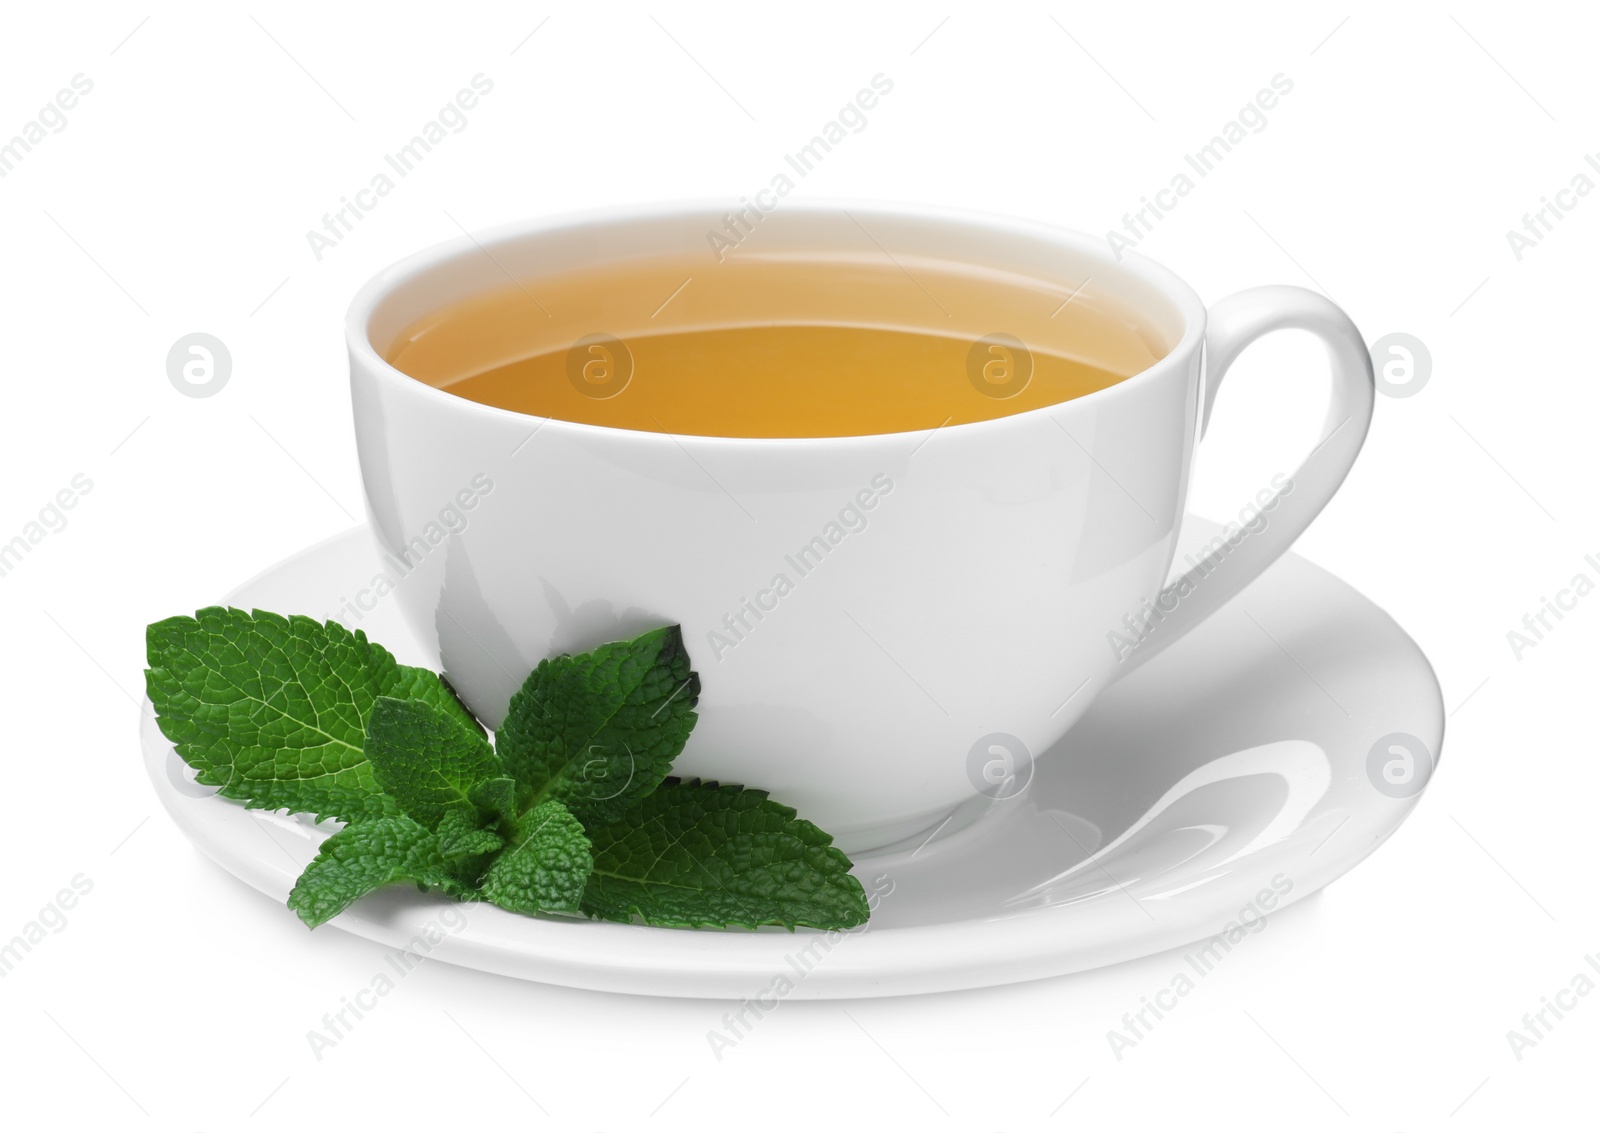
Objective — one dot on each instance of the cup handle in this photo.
(1231, 325)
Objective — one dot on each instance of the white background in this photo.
(177, 199)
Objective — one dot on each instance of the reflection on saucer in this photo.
(1215, 815)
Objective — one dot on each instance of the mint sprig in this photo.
(570, 811)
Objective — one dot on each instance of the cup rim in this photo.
(380, 286)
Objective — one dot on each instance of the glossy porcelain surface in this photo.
(970, 580)
(1212, 786)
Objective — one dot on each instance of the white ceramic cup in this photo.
(994, 578)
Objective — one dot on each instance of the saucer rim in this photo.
(638, 959)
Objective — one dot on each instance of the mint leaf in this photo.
(497, 797)
(427, 760)
(274, 710)
(461, 837)
(600, 730)
(545, 867)
(366, 856)
(695, 854)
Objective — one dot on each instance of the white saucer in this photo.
(1237, 772)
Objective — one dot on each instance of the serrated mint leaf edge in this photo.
(195, 752)
(844, 882)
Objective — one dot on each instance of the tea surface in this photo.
(773, 347)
